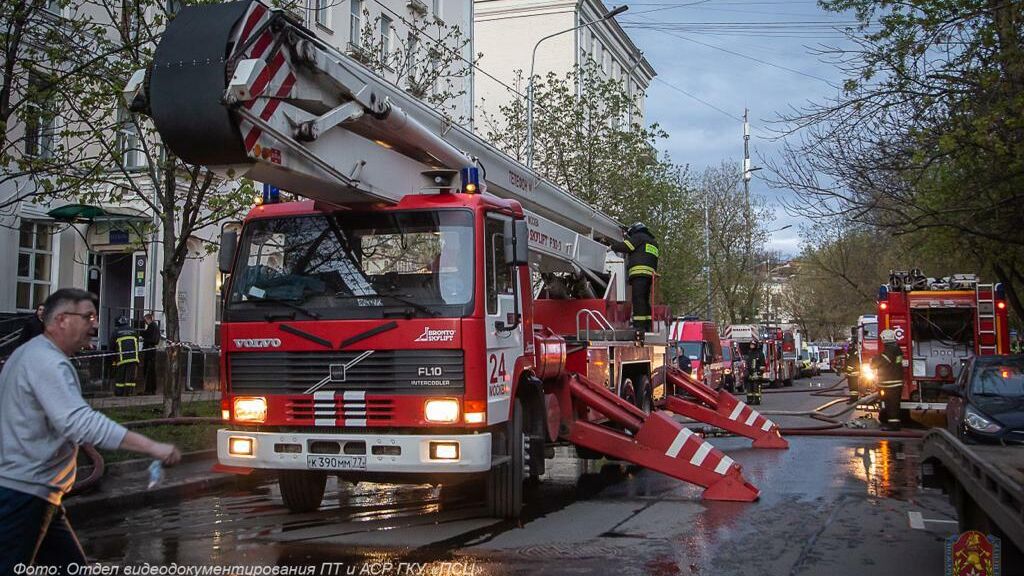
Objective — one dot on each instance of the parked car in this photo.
(986, 403)
(734, 377)
(698, 339)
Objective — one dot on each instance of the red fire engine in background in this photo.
(937, 324)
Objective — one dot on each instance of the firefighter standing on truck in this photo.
(125, 343)
(641, 263)
(889, 368)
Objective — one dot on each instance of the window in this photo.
(355, 22)
(499, 275)
(41, 125)
(173, 7)
(385, 37)
(437, 9)
(320, 12)
(35, 255)
(129, 141)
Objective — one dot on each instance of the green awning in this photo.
(87, 213)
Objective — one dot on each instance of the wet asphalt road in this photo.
(829, 505)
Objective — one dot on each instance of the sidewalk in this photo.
(124, 484)
(150, 400)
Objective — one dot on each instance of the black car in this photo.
(986, 404)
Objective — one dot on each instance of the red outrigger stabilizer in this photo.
(721, 409)
(654, 441)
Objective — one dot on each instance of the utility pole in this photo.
(746, 163)
(707, 253)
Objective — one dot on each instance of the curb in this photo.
(136, 464)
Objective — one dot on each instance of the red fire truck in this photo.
(390, 328)
(938, 323)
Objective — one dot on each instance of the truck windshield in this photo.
(691, 349)
(871, 330)
(356, 265)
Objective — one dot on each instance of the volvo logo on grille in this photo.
(337, 372)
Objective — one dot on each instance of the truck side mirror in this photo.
(517, 246)
(228, 245)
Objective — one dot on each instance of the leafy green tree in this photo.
(108, 155)
(926, 137)
(737, 241)
(587, 139)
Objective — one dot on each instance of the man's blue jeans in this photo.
(34, 531)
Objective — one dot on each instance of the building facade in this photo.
(506, 32)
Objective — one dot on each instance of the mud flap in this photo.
(657, 442)
(722, 410)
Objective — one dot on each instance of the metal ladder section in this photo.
(655, 441)
(986, 318)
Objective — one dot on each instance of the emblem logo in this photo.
(338, 372)
(973, 554)
(432, 335)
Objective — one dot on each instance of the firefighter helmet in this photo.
(637, 227)
(888, 336)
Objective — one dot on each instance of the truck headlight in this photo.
(441, 410)
(976, 421)
(867, 372)
(250, 409)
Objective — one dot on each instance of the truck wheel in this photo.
(505, 483)
(645, 395)
(301, 490)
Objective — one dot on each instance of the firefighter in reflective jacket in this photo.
(889, 368)
(641, 263)
(755, 376)
(125, 344)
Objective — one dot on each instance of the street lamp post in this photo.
(533, 60)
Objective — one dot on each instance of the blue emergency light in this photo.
(470, 176)
(271, 194)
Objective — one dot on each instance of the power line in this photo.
(741, 55)
(697, 98)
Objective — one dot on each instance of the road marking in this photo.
(917, 521)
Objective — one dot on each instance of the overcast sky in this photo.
(732, 54)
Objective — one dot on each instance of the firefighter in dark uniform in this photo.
(125, 344)
(852, 369)
(889, 368)
(755, 375)
(641, 263)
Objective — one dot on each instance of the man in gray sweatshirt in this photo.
(43, 419)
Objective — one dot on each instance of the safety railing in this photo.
(583, 329)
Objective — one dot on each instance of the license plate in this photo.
(336, 462)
